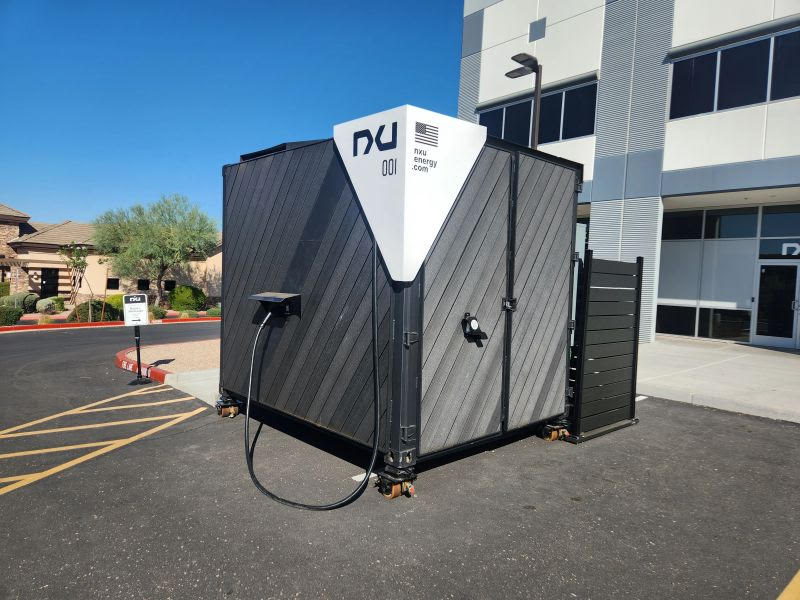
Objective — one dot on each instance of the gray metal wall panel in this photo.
(293, 224)
(545, 222)
(614, 85)
(468, 87)
(465, 272)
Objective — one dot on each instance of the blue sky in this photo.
(106, 104)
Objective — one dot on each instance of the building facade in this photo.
(30, 262)
(686, 117)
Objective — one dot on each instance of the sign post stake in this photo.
(136, 314)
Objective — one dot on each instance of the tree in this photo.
(74, 256)
(148, 241)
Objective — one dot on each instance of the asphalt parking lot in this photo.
(692, 502)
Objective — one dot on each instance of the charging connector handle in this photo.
(249, 448)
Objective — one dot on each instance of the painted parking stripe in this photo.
(56, 449)
(72, 411)
(141, 405)
(360, 476)
(34, 477)
(90, 426)
(640, 398)
(792, 591)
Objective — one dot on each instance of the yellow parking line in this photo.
(792, 591)
(80, 408)
(56, 449)
(90, 426)
(142, 405)
(33, 477)
(15, 478)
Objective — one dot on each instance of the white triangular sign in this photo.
(407, 166)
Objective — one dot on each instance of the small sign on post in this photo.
(135, 308)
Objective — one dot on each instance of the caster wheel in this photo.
(394, 491)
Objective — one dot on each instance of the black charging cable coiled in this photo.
(249, 449)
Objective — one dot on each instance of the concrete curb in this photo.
(12, 328)
(154, 373)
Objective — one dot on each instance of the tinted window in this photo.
(778, 221)
(724, 324)
(786, 66)
(550, 123)
(686, 225)
(693, 83)
(112, 283)
(579, 104)
(518, 123)
(142, 285)
(733, 223)
(169, 285)
(493, 121)
(678, 320)
(780, 248)
(743, 75)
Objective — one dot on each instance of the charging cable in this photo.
(249, 449)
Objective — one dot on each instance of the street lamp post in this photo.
(530, 65)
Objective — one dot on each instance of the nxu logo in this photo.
(366, 134)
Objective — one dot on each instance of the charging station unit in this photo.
(473, 286)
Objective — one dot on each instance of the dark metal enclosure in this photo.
(292, 223)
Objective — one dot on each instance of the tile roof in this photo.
(7, 211)
(59, 234)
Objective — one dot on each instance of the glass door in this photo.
(777, 307)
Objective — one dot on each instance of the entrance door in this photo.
(49, 283)
(778, 305)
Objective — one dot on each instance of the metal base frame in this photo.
(585, 437)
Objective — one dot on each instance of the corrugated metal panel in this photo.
(465, 272)
(292, 224)
(605, 229)
(613, 91)
(542, 279)
(650, 75)
(641, 225)
(468, 87)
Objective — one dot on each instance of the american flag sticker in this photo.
(426, 134)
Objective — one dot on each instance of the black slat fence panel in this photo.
(606, 344)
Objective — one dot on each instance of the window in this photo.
(785, 71)
(550, 123)
(693, 82)
(493, 121)
(743, 75)
(732, 223)
(517, 128)
(579, 105)
(780, 221)
(112, 283)
(684, 225)
(169, 285)
(677, 320)
(142, 285)
(513, 122)
(736, 76)
(724, 324)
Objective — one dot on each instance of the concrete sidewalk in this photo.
(736, 377)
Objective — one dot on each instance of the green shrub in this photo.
(24, 300)
(80, 313)
(188, 314)
(59, 302)
(46, 306)
(115, 300)
(186, 297)
(5, 288)
(158, 312)
(215, 311)
(9, 315)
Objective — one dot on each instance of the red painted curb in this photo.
(177, 320)
(98, 324)
(128, 364)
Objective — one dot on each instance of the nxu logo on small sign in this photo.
(367, 135)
